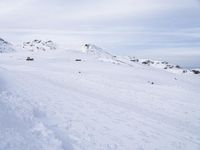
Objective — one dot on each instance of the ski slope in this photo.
(58, 103)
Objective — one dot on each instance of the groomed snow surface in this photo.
(72, 100)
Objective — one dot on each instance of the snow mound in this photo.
(39, 45)
(5, 46)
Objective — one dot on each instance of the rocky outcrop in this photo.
(5, 46)
(39, 45)
(195, 71)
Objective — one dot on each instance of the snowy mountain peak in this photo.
(91, 48)
(39, 45)
(5, 46)
(96, 51)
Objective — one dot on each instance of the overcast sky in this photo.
(140, 27)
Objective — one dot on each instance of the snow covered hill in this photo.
(97, 52)
(75, 100)
(105, 56)
(5, 47)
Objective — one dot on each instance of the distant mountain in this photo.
(5, 46)
(39, 45)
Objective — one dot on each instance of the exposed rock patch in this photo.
(39, 45)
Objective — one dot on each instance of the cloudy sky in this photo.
(150, 28)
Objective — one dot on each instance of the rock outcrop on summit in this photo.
(39, 45)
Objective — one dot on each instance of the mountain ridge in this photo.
(101, 54)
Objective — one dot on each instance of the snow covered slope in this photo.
(5, 47)
(102, 55)
(70, 100)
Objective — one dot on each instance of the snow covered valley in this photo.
(66, 99)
